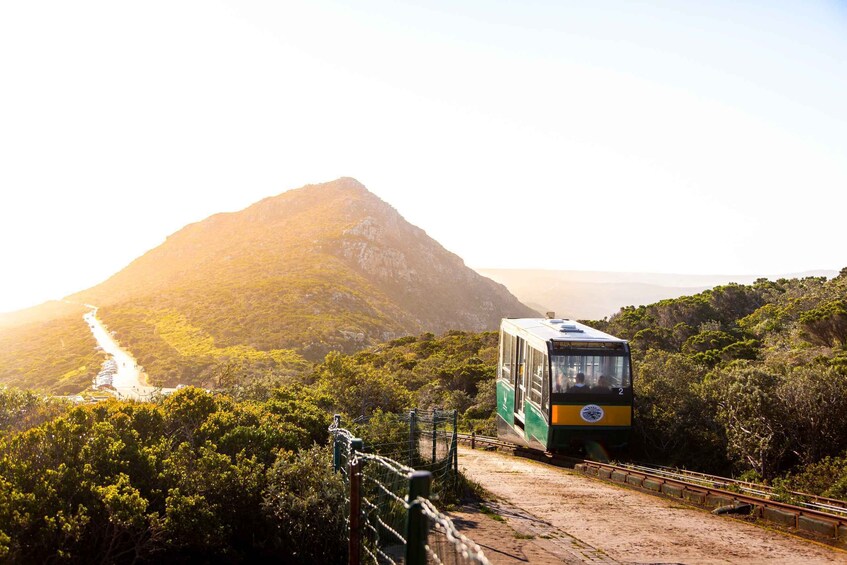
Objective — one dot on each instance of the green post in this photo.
(354, 546)
(412, 426)
(454, 446)
(336, 445)
(417, 524)
(434, 433)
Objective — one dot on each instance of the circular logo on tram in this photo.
(591, 413)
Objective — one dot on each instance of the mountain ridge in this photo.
(593, 295)
(319, 268)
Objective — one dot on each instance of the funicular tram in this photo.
(563, 386)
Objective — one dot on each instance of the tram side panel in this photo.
(533, 432)
(506, 427)
(536, 429)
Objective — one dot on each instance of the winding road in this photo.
(129, 381)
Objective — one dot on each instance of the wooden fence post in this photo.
(417, 524)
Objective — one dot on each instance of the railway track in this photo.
(820, 517)
(810, 501)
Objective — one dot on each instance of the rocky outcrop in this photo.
(434, 285)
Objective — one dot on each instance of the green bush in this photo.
(186, 480)
(305, 503)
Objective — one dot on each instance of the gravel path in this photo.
(556, 514)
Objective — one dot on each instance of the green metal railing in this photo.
(390, 516)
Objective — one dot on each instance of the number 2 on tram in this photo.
(562, 385)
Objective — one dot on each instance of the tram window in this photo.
(507, 355)
(616, 370)
(600, 373)
(520, 364)
(536, 374)
(545, 383)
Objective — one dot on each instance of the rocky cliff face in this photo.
(434, 285)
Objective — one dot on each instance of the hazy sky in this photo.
(676, 137)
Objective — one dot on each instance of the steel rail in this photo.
(812, 501)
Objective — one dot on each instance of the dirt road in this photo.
(128, 382)
(546, 514)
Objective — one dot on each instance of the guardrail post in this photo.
(412, 426)
(336, 445)
(354, 546)
(473, 440)
(417, 524)
(434, 434)
(454, 445)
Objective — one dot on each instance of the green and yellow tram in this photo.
(562, 385)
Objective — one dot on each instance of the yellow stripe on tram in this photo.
(591, 415)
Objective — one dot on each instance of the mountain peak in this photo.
(349, 182)
(347, 185)
(342, 198)
(321, 267)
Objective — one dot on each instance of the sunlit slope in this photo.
(324, 267)
(50, 310)
(55, 354)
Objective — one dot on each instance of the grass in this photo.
(491, 513)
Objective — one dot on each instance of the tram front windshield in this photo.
(590, 373)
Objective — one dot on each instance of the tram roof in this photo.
(559, 329)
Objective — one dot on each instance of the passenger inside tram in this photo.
(602, 384)
(579, 385)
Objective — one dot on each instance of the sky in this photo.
(669, 137)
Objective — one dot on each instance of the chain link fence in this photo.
(389, 514)
(425, 440)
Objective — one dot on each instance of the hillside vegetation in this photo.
(743, 376)
(194, 478)
(172, 350)
(454, 371)
(739, 379)
(239, 475)
(56, 354)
